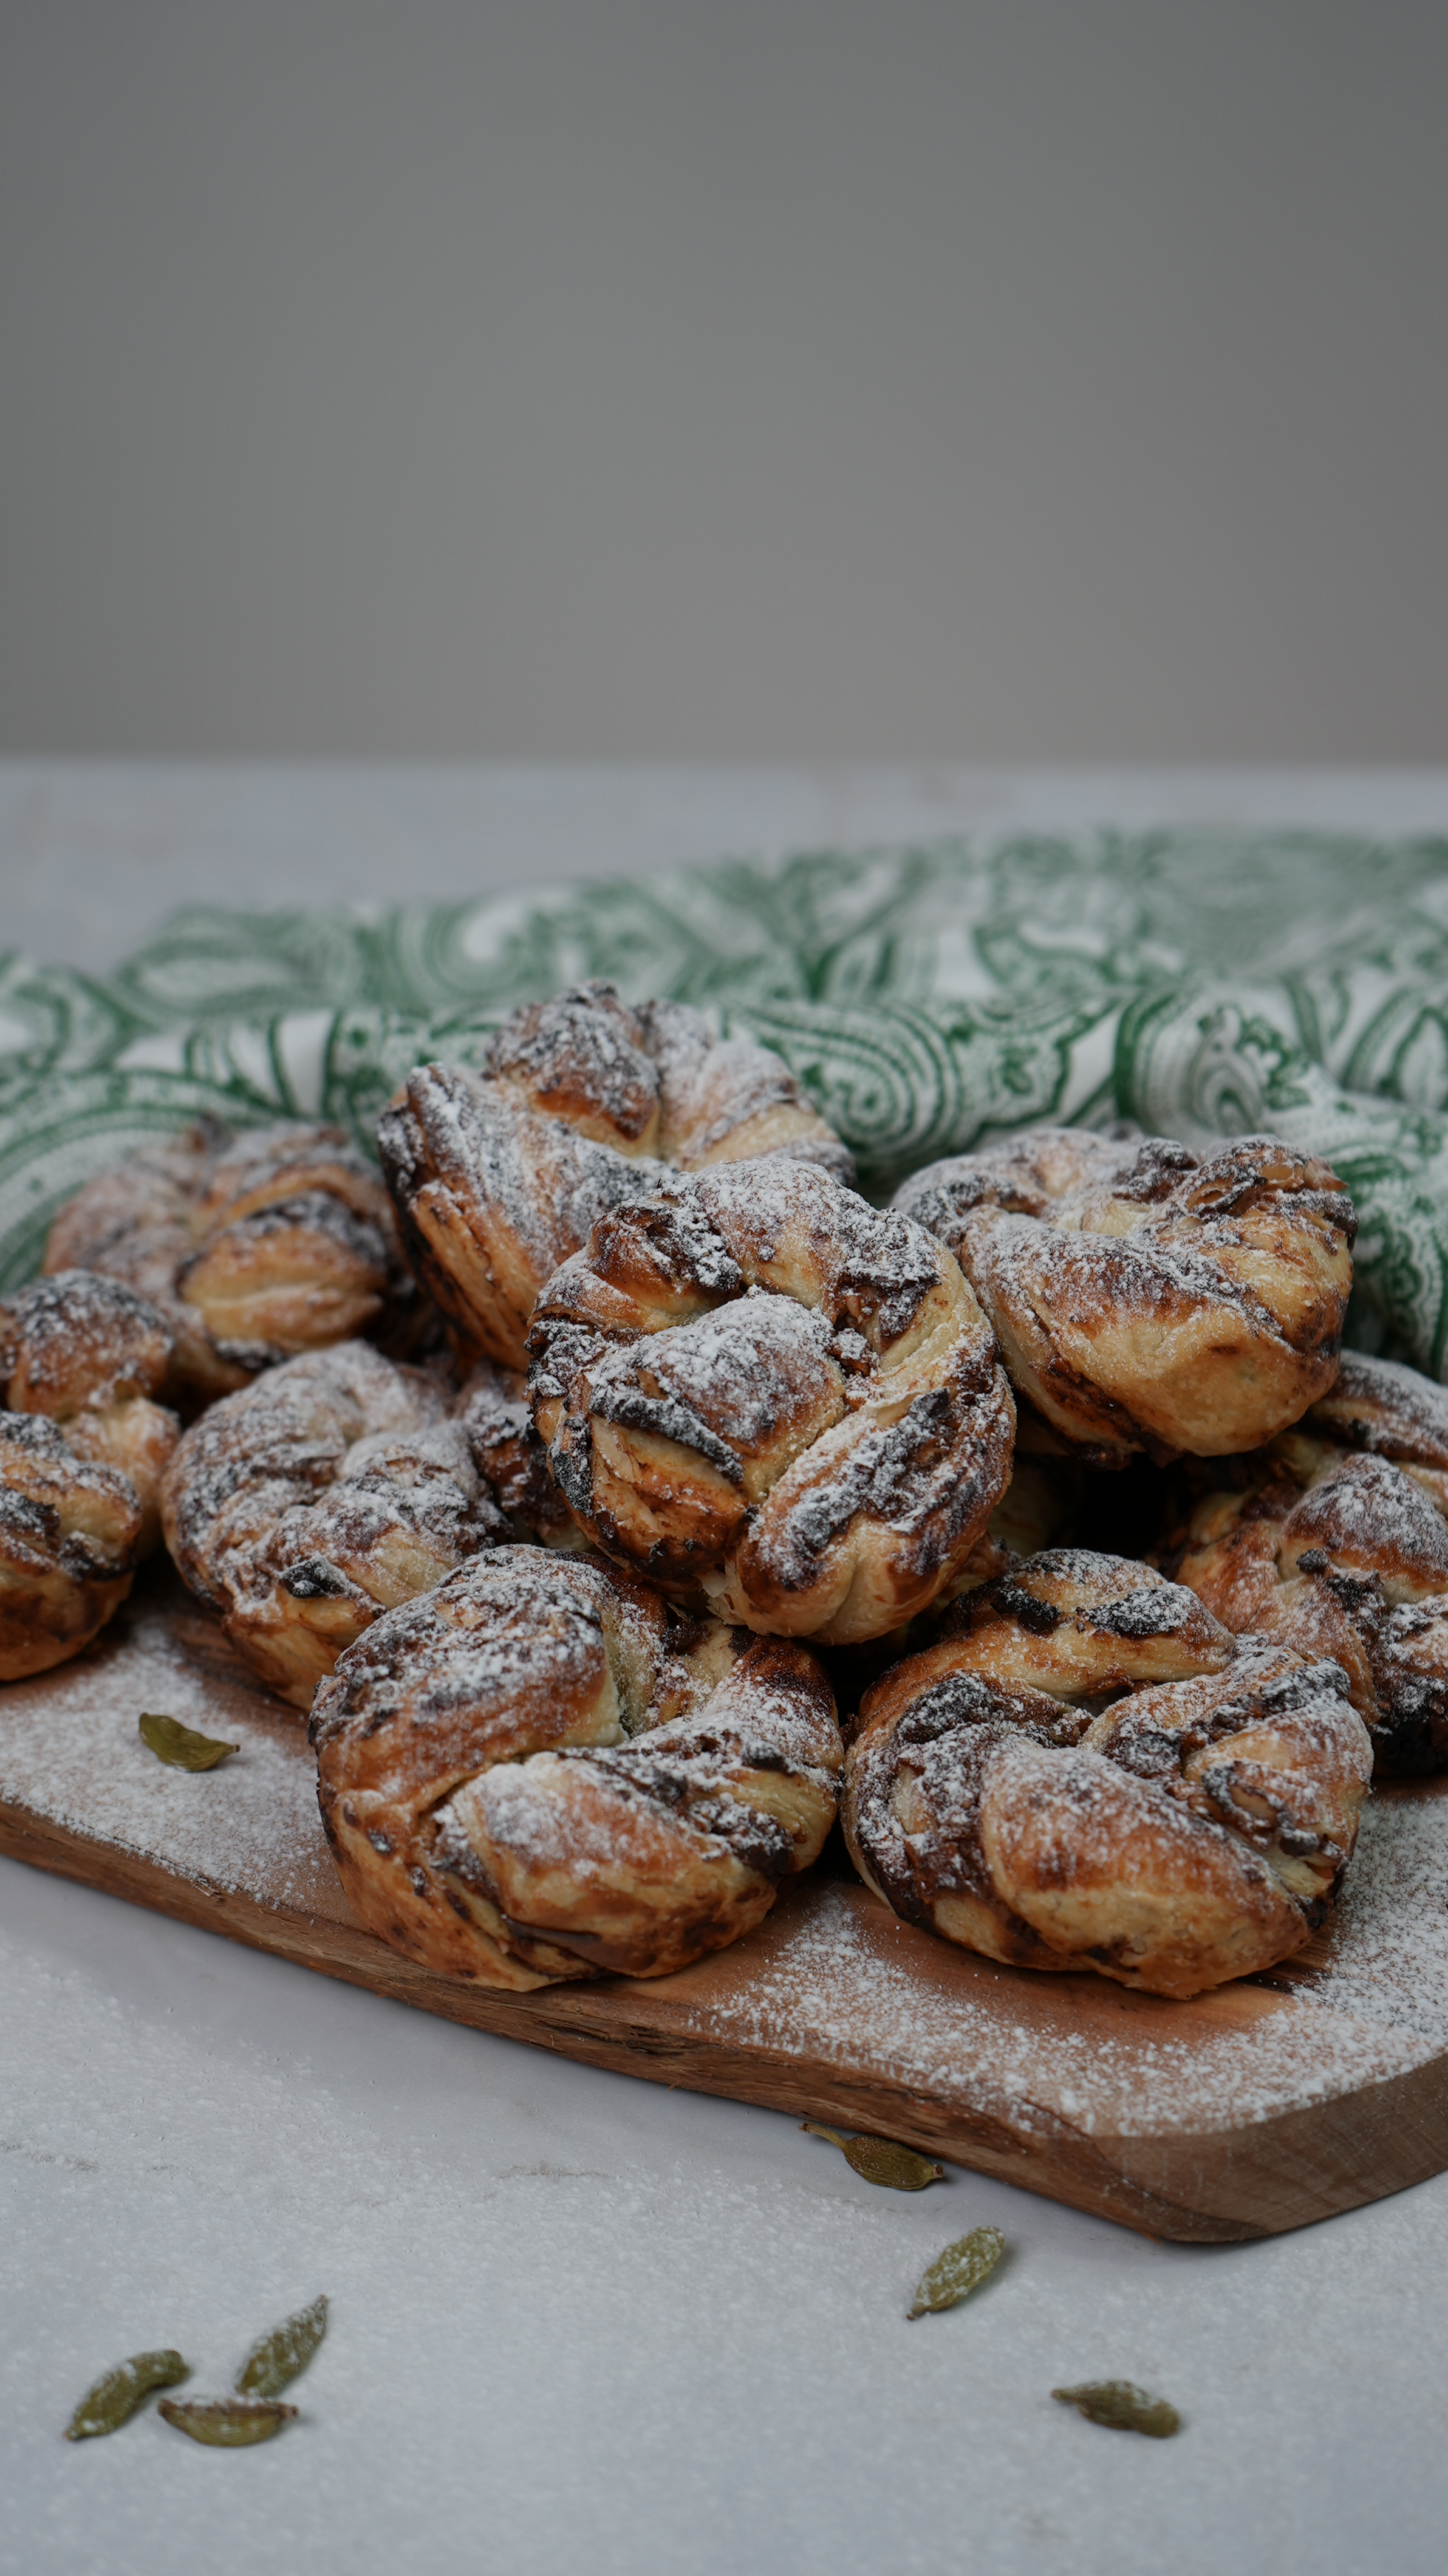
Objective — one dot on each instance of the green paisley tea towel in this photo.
(927, 998)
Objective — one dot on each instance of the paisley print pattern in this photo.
(1199, 984)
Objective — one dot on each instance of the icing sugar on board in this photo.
(1262, 2107)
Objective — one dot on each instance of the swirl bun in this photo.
(253, 1247)
(531, 1774)
(1339, 1546)
(70, 1541)
(82, 1452)
(92, 1355)
(1383, 1410)
(582, 1103)
(334, 1487)
(1192, 1831)
(756, 1385)
(1145, 1300)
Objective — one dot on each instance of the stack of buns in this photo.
(572, 1478)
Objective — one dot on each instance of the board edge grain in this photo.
(1221, 2186)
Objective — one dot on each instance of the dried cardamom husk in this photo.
(180, 1745)
(880, 2160)
(959, 2270)
(1123, 2406)
(275, 2359)
(114, 2399)
(227, 2423)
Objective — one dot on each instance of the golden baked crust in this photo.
(652, 1079)
(582, 1103)
(333, 1487)
(1040, 1508)
(1143, 1299)
(755, 1385)
(254, 1247)
(92, 1356)
(1192, 1830)
(82, 1452)
(70, 1540)
(532, 1774)
(1385, 1410)
(1337, 1543)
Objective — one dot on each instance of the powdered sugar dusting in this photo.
(1078, 1247)
(1366, 1512)
(842, 1979)
(1385, 1956)
(832, 1975)
(70, 1753)
(1384, 1406)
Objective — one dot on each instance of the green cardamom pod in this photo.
(114, 2399)
(880, 2159)
(959, 2270)
(274, 2361)
(1122, 2405)
(226, 2423)
(180, 1745)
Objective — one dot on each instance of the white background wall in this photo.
(537, 379)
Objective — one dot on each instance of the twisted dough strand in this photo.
(93, 1356)
(754, 1385)
(531, 1775)
(1339, 1546)
(253, 1247)
(335, 1486)
(82, 1451)
(1191, 1830)
(582, 1104)
(1145, 1300)
(70, 1541)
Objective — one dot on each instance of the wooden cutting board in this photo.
(1262, 2107)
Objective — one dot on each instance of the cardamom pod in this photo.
(959, 2270)
(880, 2160)
(226, 2423)
(275, 2359)
(114, 2399)
(180, 1745)
(1123, 2406)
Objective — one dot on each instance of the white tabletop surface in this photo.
(581, 2322)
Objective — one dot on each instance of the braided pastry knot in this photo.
(93, 1356)
(1339, 1546)
(70, 1541)
(1191, 1829)
(332, 1488)
(253, 1247)
(754, 1386)
(582, 1103)
(82, 1451)
(532, 1774)
(1145, 1300)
